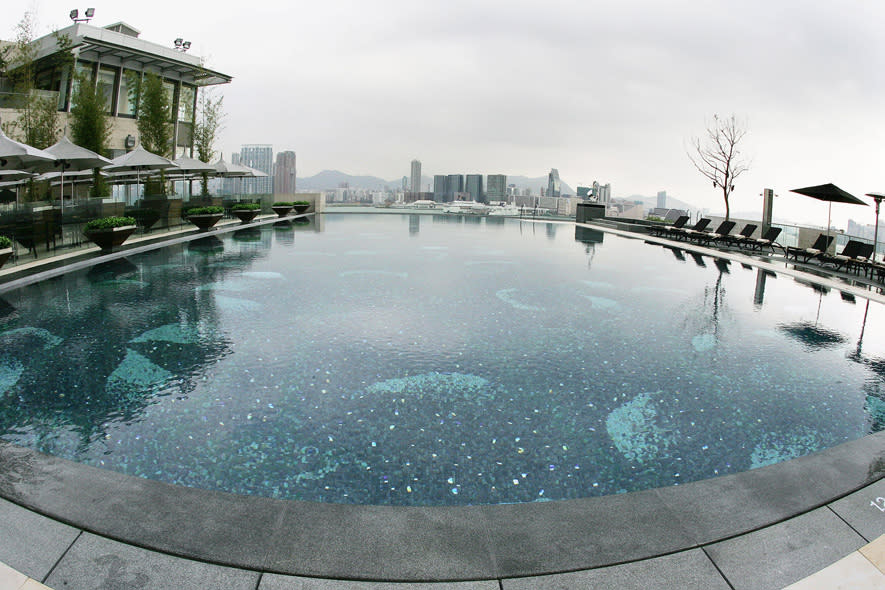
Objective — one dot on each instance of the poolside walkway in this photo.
(840, 545)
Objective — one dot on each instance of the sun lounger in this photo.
(820, 246)
(854, 254)
(697, 228)
(766, 241)
(663, 230)
(742, 236)
(720, 233)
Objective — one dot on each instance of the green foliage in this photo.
(89, 123)
(37, 123)
(108, 223)
(210, 114)
(5, 242)
(154, 117)
(204, 211)
(246, 207)
(297, 203)
(283, 204)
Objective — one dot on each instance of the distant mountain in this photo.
(332, 179)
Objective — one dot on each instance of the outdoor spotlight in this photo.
(87, 14)
(178, 43)
(186, 45)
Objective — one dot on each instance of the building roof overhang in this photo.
(102, 45)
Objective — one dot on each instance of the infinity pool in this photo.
(431, 360)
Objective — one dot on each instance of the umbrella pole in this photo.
(829, 216)
(876, 231)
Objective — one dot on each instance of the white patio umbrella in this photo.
(191, 168)
(70, 156)
(15, 155)
(139, 160)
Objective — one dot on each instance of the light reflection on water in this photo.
(434, 360)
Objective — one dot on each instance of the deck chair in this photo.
(743, 235)
(855, 256)
(820, 246)
(720, 233)
(663, 230)
(766, 241)
(697, 228)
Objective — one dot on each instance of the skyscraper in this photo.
(554, 185)
(474, 187)
(454, 186)
(260, 157)
(496, 187)
(662, 200)
(284, 174)
(416, 176)
(439, 187)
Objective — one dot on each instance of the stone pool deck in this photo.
(67, 525)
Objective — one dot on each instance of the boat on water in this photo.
(466, 208)
(509, 210)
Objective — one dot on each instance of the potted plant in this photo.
(282, 208)
(107, 232)
(5, 249)
(300, 206)
(204, 217)
(246, 212)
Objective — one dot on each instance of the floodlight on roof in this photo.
(87, 15)
(178, 42)
(182, 45)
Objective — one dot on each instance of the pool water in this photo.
(432, 360)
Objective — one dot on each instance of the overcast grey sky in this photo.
(600, 90)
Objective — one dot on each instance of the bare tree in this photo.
(718, 157)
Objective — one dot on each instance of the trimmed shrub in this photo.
(108, 223)
(203, 211)
(246, 207)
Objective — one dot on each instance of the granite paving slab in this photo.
(96, 562)
(31, 543)
(382, 542)
(688, 570)
(278, 582)
(864, 510)
(779, 555)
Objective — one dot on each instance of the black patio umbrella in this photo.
(831, 193)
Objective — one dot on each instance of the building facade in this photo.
(662, 200)
(474, 188)
(115, 58)
(454, 186)
(416, 176)
(260, 157)
(284, 173)
(554, 184)
(496, 187)
(439, 188)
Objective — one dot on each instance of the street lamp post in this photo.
(878, 197)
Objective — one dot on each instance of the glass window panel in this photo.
(186, 104)
(130, 84)
(169, 87)
(107, 78)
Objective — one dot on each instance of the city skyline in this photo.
(596, 90)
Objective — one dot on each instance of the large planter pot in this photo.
(299, 209)
(282, 210)
(245, 215)
(206, 220)
(107, 239)
(5, 253)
